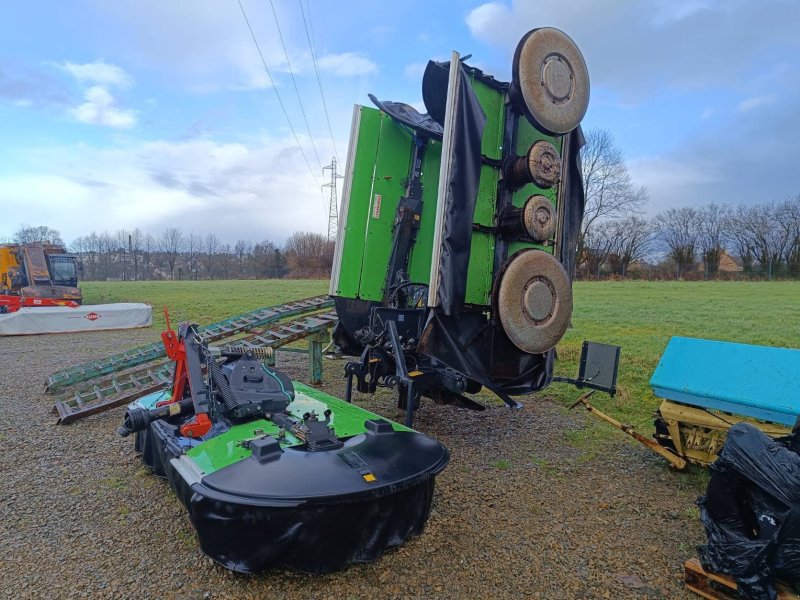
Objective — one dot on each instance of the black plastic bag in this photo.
(751, 512)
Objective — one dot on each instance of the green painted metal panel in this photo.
(392, 162)
(225, 449)
(481, 262)
(419, 264)
(353, 240)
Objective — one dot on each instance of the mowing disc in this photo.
(537, 217)
(544, 164)
(550, 80)
(534, 300)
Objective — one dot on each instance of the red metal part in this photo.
(14, 303)
(176, 352)
(197, 427)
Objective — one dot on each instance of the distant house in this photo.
(729, 264)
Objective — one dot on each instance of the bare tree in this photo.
(264, 259)
(711, 235)
(171, 242)
(790, 216)
(194, 243)
(135, 240)
(308, 254)
(210, 247)
(677, 229)
(597, 245)
(630, 241)
(120, 252)
(242, 249)
(27, 234)
(148, 247)
(737, 236)
(610, 192)
(225, 256)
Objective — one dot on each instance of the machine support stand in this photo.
(401, 371)
(315, 358)
(674, 460)
(348, 393)
(410, 393)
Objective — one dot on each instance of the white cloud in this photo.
(755, 102)
(670, 11)
(482, 19)
(99, 72)
(101, 108)
(414, 71)
(254, 189)
(639, 47)
(347, 64)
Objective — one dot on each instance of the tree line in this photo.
(174, 254)
(755, 240)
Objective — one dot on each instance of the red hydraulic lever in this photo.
(176, 351)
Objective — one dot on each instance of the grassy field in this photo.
(639, 316)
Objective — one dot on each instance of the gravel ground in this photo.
(531, 505)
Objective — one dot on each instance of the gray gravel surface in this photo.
(532, 505)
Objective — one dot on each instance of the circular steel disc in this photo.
(550, 80)
(538, 219)
(534, 300)
(544, 164)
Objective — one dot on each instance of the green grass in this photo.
(639, 316)
(203, 302)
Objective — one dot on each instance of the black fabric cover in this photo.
(461, 190)
(403, 113)
(751, 513)
(572, 194)
(243, 526)
(468, 344)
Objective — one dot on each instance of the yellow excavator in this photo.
(39, 270)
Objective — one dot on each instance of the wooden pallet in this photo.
(720, 587)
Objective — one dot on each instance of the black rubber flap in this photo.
(367, 466)
(572, 195)
(411, 117)
(461, 190)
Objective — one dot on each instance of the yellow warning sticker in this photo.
(415, 373)
(369, 477)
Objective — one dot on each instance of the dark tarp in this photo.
(409, 116)
(470, 345)
(461, 187)
(751, 512)
(572, 194)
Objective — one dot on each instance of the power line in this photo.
(294, 82)
(316, 70)
(283, 107)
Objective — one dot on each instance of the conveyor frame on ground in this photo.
(237, 324)
(119, 390)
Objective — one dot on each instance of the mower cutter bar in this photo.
(125, 388)
(210, 333)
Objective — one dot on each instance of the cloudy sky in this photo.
(160, 113)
